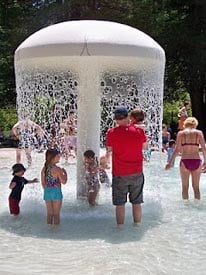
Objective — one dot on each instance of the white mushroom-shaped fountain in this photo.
(89, 67)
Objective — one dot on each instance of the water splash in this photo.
(47, 96)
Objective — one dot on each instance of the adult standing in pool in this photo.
(26, 131)
(125, 145)
(188, 142)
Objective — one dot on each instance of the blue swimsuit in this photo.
(52, 191)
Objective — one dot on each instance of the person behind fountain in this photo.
(17, 185)
(52, 176)
(91, 176)
(188, 142)
(125, 144)
(170, 150)
(165, 137)
(64, 144)
(182, 115)
(70, 122)
(24, 131)
(73, 141)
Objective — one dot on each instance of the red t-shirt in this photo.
(126, 143)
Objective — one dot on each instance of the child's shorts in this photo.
(52, 193)
(14, 206)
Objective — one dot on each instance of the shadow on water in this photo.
(81, 223)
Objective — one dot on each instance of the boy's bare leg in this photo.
(120, 214)
(137, 213)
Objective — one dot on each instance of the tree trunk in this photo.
(198, 102)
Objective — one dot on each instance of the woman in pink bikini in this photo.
(188, 142)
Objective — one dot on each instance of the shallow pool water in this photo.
(171, 239)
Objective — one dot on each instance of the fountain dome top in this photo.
(91, 38)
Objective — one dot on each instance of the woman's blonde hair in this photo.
(190, 122)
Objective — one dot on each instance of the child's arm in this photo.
(12, 185)
(43, 180)
(33, 180)
(108, 155)
(62, 174)
(14, 129)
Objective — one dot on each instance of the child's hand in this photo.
(64, 171)
(35, 180)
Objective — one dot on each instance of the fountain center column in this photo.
(89, 117)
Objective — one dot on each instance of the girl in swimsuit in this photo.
(52, 177)
(188, 142)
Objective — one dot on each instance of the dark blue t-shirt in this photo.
(16, 191)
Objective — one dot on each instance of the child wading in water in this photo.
(170, 150)
(17, 186)
(92, 176)
(52, 177)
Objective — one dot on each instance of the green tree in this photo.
(8, 117)
(184, 40)
(178, 26)
(14, 16)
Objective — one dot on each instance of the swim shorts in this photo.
(131, 185)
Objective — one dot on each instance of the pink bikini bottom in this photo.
(191, 164)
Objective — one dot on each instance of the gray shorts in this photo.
(124, 185)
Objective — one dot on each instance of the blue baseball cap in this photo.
(120, 112)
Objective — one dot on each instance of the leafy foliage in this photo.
(178, 26)
(8, 118)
